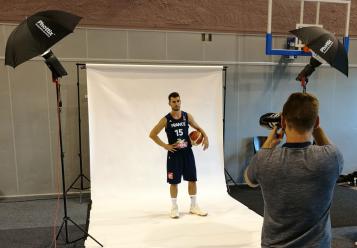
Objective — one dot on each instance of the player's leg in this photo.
(190, 175)
(192, 188)
(173, 194)
(173, 190)
(192, 192)
(174, 173)
(194, 209)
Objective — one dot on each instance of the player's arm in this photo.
(154, 135)
(194, 124)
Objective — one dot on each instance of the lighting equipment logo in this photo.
(46, 30)
(327, 46)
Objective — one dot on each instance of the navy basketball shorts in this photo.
(181, 163)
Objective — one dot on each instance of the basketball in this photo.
(196, 138)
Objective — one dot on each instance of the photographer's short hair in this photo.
(301, 111)
(173, 95)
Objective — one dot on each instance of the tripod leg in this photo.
(85, 232)
(59, 230)
(230, 177)
(73, 183)
(86, 178)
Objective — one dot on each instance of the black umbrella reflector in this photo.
(37, 34)
(324, 44)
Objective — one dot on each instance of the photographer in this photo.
(298, 179)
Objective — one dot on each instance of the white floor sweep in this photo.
(146, 223)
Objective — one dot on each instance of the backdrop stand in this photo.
(81, 177)
(228, 177)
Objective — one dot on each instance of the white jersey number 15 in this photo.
(179, 132)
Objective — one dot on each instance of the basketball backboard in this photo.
(296, 46)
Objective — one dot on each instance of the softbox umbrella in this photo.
(324, 44)
(37, 34)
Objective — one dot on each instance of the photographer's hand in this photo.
(320, 136)
(274, 138)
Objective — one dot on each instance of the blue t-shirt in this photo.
(297, 183)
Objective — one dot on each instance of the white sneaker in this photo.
(198, 211)
(174, 213)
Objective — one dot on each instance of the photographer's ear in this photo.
(317, 122)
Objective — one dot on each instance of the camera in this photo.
(270, 120)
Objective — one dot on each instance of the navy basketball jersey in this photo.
(177, 130)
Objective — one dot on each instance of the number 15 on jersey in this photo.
(179, 132)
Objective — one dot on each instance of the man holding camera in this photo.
(298, 179)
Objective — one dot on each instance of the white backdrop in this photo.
(128, 170)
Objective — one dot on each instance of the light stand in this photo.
(227, 175)
(57, 72)
(303, 76)
(81, 176)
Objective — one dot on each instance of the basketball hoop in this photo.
(299, 51)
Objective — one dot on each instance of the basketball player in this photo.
(180, 159)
